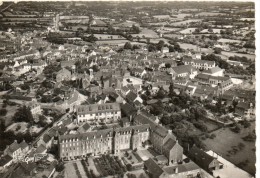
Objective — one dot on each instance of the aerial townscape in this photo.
(131, 89)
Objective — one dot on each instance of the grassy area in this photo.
(232, 147)
(10, 113)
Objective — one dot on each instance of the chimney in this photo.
(176, 170)
(170, 131)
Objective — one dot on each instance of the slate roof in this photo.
(5, 159)
(183, 69)
(131, 96)
(181, 168)
(212, 70)
(200, 157)
(94, 108)
(153, 167)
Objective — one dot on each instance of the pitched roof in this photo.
(13, 147)
(243, 105)
(128, 109)
(198, 61)
(183, 69)
(200, 157)
(212, 70)
(94, 108)
(5, 159)
(190, 166)
(169, 144)
(46, 138)
(131, 96)
(153, 168)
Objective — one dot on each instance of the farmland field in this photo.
(147, 33)
(228, 54)
(224, 40)
(185, 22)
(209, 14)
(188, 31)
(195, 47)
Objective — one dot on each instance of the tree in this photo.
(128, 45)
(151, 48)
(168, 65)
(160, 45)
(217, 50)
(171, 48)
(3, 112)
(23, 114)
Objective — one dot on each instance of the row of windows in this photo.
(98, 114)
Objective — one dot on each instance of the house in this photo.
(205, 161)
(63, 74)
(165, 50)
(245, 109)
(17, 151)
(5, 161)
(138, 72)
(172, 150)
(199, 64)
(45, 140)
(35, 108)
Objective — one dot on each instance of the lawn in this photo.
(227, 141)
(69, 170)
(15, 127)
(10, 113)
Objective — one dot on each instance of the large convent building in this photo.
(115, 140)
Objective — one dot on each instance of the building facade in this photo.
(102, 142)
(106, 112)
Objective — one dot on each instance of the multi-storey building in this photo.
(107, 112)
(115, 140)
(199, 64)
(223, 83)
(102, 141)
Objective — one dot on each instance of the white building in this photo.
(107, 112)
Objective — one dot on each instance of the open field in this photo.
(226, 139)
(188, 31)
(147, 33)
(69, 170)
(195, 48)
(228, 54)
(224, 40)
(209, 14)
(185, 22)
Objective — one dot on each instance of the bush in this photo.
(212, 136)
(18, 128)
(3, 112)
(60, 167)
(236, 129)
(201, 126)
